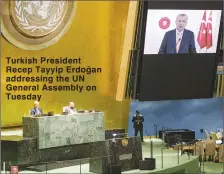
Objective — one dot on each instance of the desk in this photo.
(16, 149)
(62, 130)
(172, 137)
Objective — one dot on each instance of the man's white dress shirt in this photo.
(70, 111)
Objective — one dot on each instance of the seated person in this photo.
(36, 110)
(70, 109)
(92, 110)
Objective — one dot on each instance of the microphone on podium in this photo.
(185, 46)
(118, 135)
(148, 134)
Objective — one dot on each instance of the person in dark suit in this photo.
(179, 40)
(138, 120)
(36, 110)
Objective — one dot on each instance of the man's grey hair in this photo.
(36, 103)
(182, 15)
(71, 103)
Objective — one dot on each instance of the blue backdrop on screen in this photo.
(190, 114)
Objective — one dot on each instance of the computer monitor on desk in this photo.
(50, 113)
(64, 113)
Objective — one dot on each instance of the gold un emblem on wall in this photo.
(34, 25)
(124, 142)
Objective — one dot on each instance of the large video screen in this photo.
(181, 31)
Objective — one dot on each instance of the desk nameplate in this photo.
(125, 156)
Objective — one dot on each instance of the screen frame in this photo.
(185, 85)
(177, 5)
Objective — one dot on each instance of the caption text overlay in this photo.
(46, 75)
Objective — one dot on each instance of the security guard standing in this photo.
(138, 120)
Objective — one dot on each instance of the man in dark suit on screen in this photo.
(179, 40)
(138, 120)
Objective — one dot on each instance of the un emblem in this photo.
(124, 142)
(34, 25)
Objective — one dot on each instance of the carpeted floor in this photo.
(211, 167)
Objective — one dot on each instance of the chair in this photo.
(199, 148)
(220, 154)
(213, 136)
(210, 149)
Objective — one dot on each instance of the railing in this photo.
(179, 142)
(201, 159)
(178, 156)
(162, 156)
(78, 162)
(219, 83)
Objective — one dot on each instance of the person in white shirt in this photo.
(71, 108)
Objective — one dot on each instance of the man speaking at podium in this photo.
(179, 40)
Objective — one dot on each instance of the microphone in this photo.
(185, 46)
(119, 135)
(175, 45)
